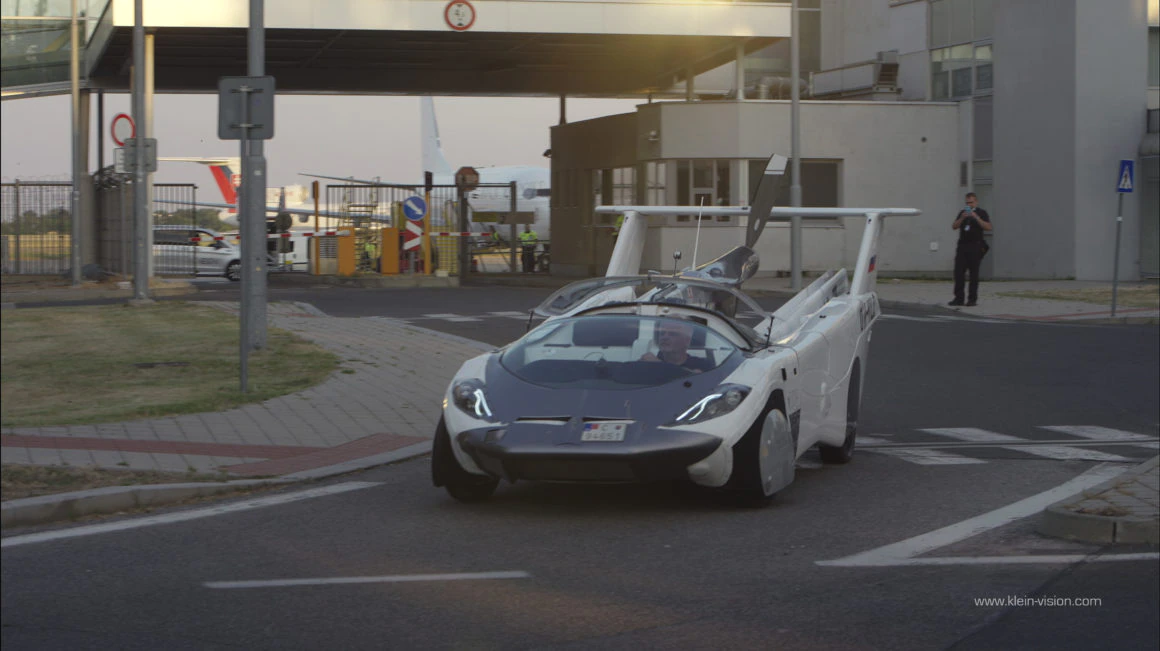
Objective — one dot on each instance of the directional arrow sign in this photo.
(415, 208)
(412, 236)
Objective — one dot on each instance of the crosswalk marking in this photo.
(451, 317)
(923, 457)
(1107, 434)
(1059, 452)
(511, 315)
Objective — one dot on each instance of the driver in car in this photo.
(673, 338)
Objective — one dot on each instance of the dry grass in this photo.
(79, 365)
(1131, 296)
(18, 482)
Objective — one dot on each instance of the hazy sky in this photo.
(355, 136)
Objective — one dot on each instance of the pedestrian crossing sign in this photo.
(1127, 173)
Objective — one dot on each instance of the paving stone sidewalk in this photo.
(1124, 509)
(381, 401)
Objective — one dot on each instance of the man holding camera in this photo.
(970, 223)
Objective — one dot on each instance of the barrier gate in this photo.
(366, 209)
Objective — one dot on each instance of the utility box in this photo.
(389, 251)
(324, 253)
(346, 255)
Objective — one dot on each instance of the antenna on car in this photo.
(697, 239)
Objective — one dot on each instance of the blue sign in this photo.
(415, 208)
(1126, 177)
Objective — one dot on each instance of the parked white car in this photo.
(191, 251)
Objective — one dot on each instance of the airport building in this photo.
(1030, 104)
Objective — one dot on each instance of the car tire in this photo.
(234, 271)
(756, 476)
(841, 454)
(446, 471)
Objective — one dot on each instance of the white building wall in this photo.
(892, 154)
(1110, 120)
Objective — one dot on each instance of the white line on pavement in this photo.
(1059, 452)
(1096, 433)
(903, 552)
(182, 516)
(398, 578)
(1052, 559)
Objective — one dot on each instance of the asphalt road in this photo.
(657, 566)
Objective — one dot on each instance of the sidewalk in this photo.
(385, 411)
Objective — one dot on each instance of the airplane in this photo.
(533, 184)
(226, 180)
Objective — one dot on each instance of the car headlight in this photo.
(468, 395)
(721, 401)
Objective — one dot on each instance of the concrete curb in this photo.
(112, 499)
(1062, 520)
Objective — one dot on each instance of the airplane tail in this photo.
(223, 176)
(433, 159)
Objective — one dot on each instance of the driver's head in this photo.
(674, 336)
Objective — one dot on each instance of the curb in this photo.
(1061, 520)
(112, 499)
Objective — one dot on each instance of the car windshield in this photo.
(616, 351)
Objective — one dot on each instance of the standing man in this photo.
(528, 240)
(970, 223)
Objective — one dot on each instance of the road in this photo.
(955, 426)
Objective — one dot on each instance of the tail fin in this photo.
(866, 273)
(433, 160)
(224, 177)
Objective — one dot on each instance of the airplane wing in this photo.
(272, 209)
(348, 179)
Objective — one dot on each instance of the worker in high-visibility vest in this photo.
(616, 228)
(528, 240)
(371, 254)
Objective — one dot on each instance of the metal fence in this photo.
(366, 209)
(114, 225)
(35, 227)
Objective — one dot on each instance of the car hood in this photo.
(512, 399)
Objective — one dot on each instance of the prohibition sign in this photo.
(459, 15)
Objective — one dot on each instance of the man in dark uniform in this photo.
(970, 223)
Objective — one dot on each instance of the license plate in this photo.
(604, 431)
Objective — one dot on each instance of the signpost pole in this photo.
(463, 256)
(78, 166)
(512, 235)
(141, 252)
(795, 188)
(1116, 257)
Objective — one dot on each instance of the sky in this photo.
(359, 136)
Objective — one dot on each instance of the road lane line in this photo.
(1051, 559)
(183, 516)
(1096, 433)
(397, 578)
(914, 454)
(1059, 452)
(904, 551)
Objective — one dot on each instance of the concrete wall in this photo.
(856, 30)
(1069, 104)
(891, 154)
(1111, 60)
(1034, 211)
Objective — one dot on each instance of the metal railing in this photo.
(35, 226)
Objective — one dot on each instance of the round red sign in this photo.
(459, 14)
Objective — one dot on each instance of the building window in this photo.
(703, 183)
(1154, 56)
(655, 188)
(820, 185)
(960, 65)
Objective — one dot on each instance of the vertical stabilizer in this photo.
(433, 160)
(866, 272)
(629, 247)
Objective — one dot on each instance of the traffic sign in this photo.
(467, 178)
(415, 209)
(123, 128)
(246, 108)
(1126, 176)
(412, 236)
(150, 154)
(459, 15)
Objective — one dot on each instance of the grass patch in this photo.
(18, 482)
(1138, 296)
(84, 365)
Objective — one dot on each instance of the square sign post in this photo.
(1124, 184)
(246, 113)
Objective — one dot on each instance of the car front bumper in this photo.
(528, 453)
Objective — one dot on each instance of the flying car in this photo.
(636, 378)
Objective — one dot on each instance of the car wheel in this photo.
(840, 454)
(234, 271)
(763, 460)
(446, 471)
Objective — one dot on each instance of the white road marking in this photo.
(923, 457)
(511, 315)
(903, 552)
(1106, 434)
(451, 317)
(398, 578)
(1052, 559)
(183, 516)
(975, 435)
